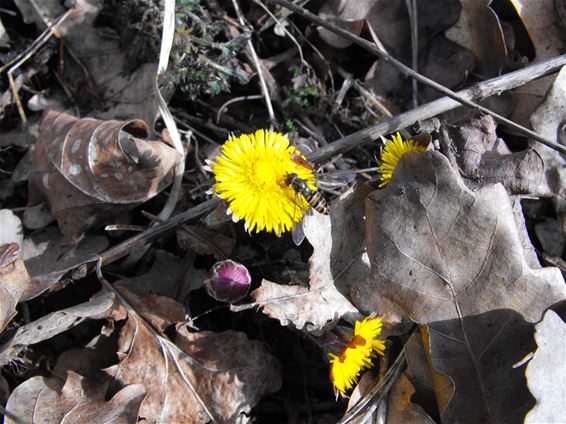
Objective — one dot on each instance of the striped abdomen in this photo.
(313, 198)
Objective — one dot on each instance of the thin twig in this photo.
(413, 19)
(478, 91)
(421, 78)
(235, 100)
(257, 65)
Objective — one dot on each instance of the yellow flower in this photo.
(392, 152)
(251, 174)
(357, 355)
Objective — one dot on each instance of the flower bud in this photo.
(228, 281)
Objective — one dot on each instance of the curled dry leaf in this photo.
(90, 170)
(74, 400)
(228, 372)
(442, 252)
(14, 280)
(545, 372)
(348, 15)
(483, 158)
(339, 259)
(11, 229)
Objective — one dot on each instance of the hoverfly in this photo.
(315, 200)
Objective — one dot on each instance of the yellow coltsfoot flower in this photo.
(252, 173)
(392, 152)
(357, 355)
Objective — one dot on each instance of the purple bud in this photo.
(228, 281)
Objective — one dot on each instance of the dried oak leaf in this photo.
(545, 372)
(228, 372)
(75, 399)
(483, 158)
(453, 259)
(90, 170)
(14, 280)
(339, 258)
(442, 252)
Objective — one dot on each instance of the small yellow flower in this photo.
(357, 355)
(392, 152)
(251, 174)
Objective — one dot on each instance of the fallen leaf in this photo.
(400, 408)
(74, 400)
(551, 237)
(339, 259)
(54, 323)
(228, 372)
(483, 158)
(479, 30)
(547, 120)
(48, 258)
(98, 72)
(545, 372)
(90, 170)
(443, 252)
(478, 353)
(541, 22)
(346, 14)
(14, 280)
(168, 276)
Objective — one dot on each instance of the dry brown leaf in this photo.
(348, 15)
(400, 409)
(479, 30)
(54, 323)
(228, 371)
(14, 280)
(91, 170)
(545, 372)
(168, 276)
(542, 24)
(434, 390)
(443, 252)
(483, 158)
(48, 259)
(11, 229)
(478, 354)
(547, 120)
(339, 259)
(43, 400)
(99, 74)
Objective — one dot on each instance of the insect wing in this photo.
(297, 158)
(336, 179)
(298, 233)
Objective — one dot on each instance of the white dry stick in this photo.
(257, 64)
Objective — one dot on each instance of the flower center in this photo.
(264, 174)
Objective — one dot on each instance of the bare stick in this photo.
(409, 72)
(478, 91)
(257, 64)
